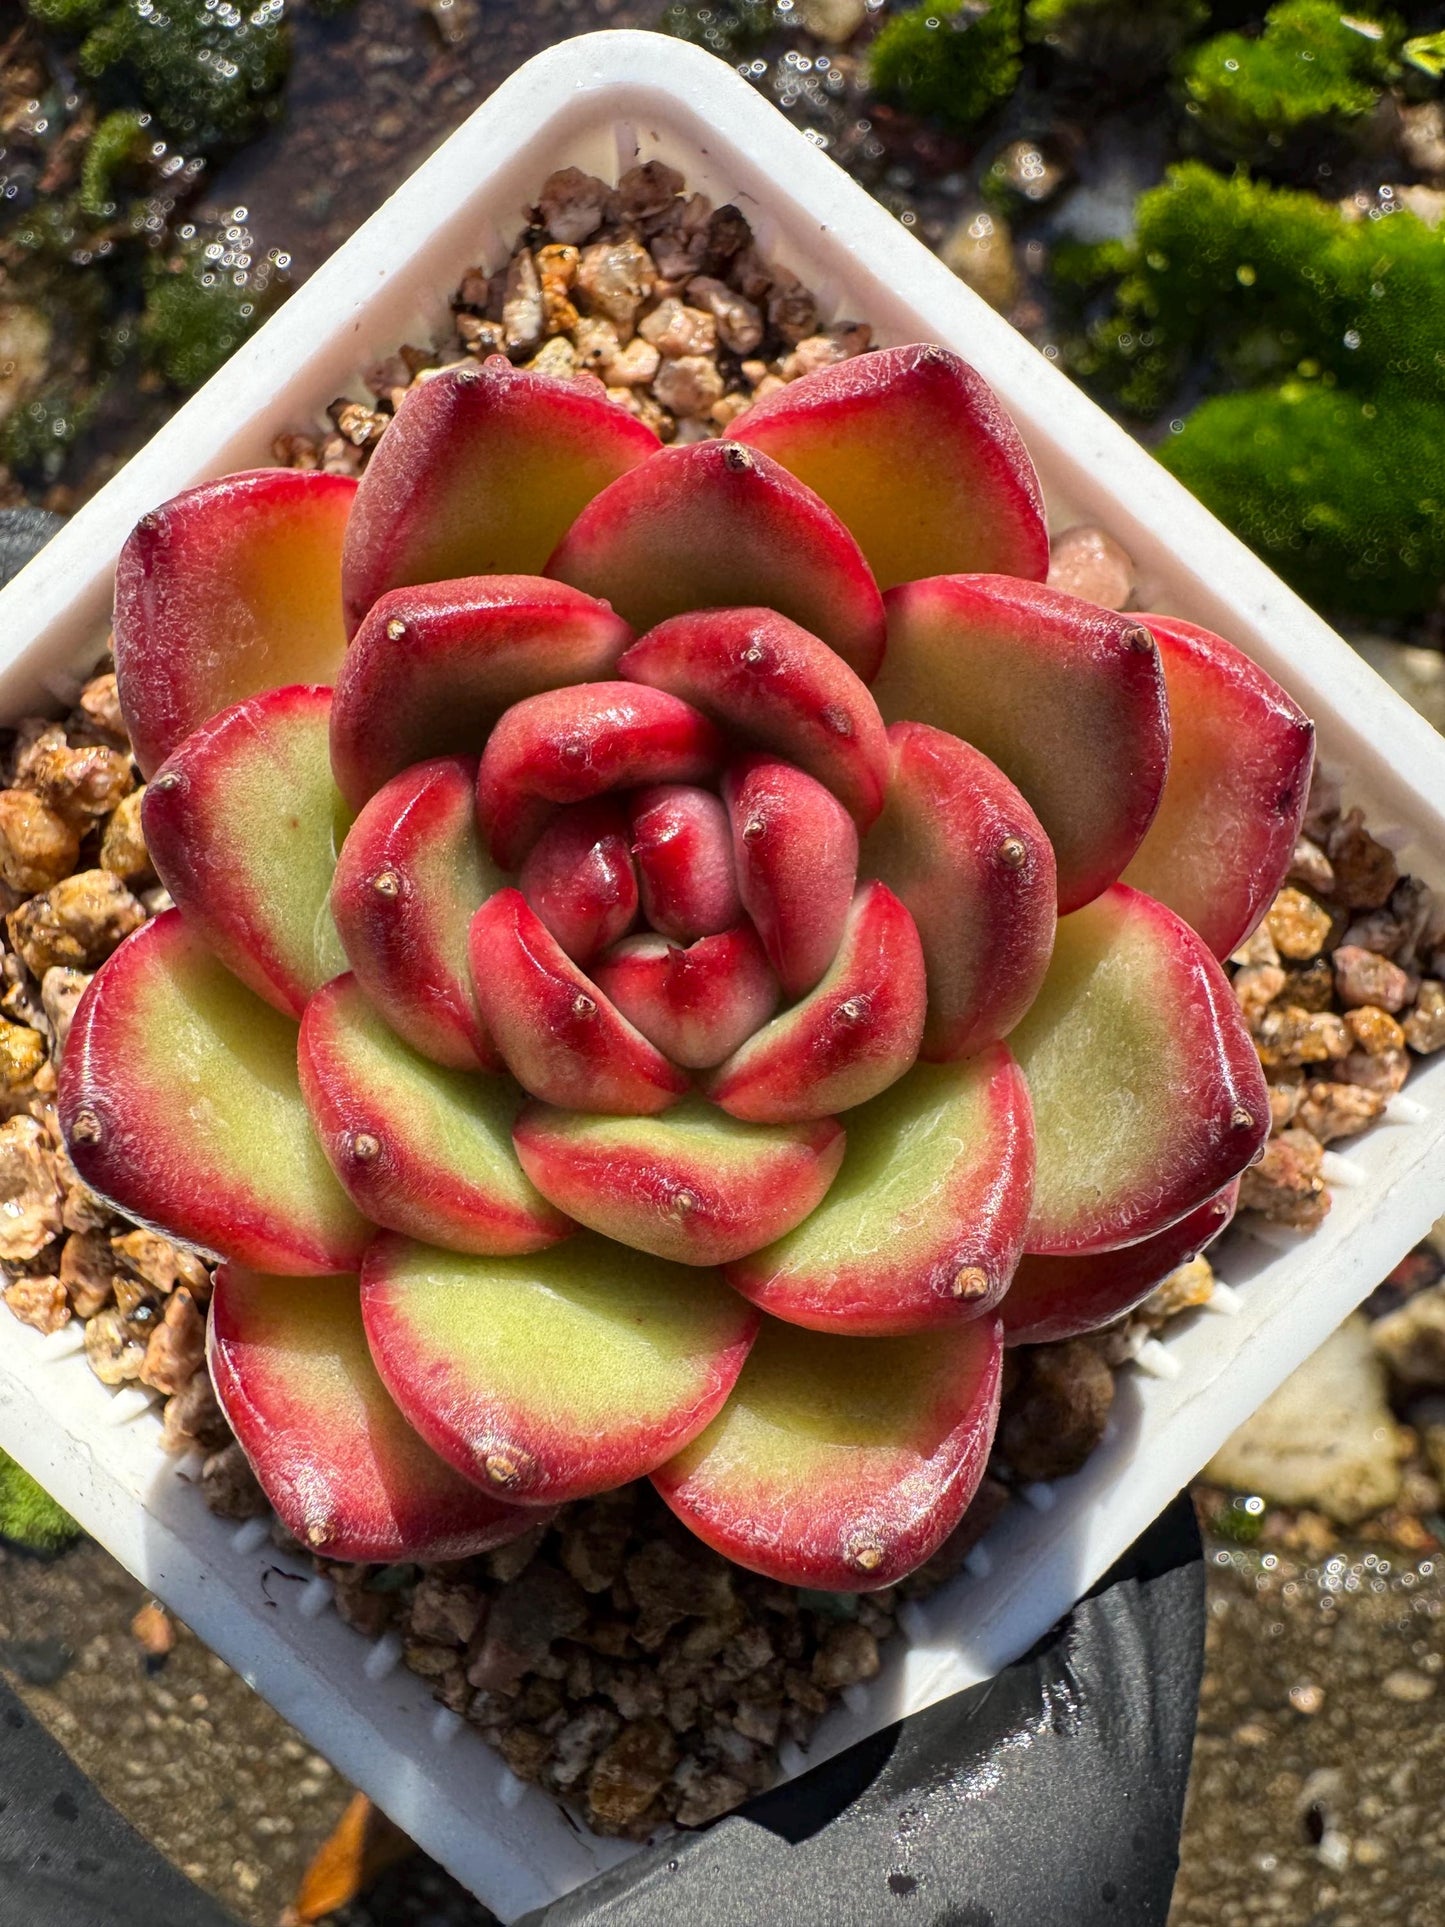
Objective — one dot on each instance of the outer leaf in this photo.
(346, 1473)
(842, 1463)
(913, 450)
(479, 474)
(231, 588)
(1054, 1298)
(1148, 1095)
(1239, 776)
(179, 1102)
(243, 823)
(924, 1224)
(421, 1150)
(551, 1377)
(1066, 698)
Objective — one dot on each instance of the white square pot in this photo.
(602, 102)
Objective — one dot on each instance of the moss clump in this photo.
(1116, 38)
(951, 63)
(29, 1517)
(195, 316)
(1262, 281)
(1314, 69)
(1343, 495)
(1330, 462)
(119, 144)
(209, 73)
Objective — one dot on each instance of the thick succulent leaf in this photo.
(1240, 756)
(579, 877)
(848, 1039)
(1068, 699)
(243, 823)
(842, 1463)
(696, 1004)
(559, 1036)
(795, 849)
(180, 1104)
(1054, 1298)
(961, 848)
(925, 1222)
(716, 525)
(569, 745)
(913, 450)
(347, 1475)
(771, 685)
(432, 668)
(696, 1186)
(420, 1149)
(480, 474)
(411, 875)
(683, 844)
(551, 1377)
(231, 588)
(1148, 1095)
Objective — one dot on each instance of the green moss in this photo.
(1314, 69)
(121, 142)
(209, 73)
(1110, 36)
(1261, 280)
(949, 63)
(1241, 1520)
(195, 317)
(1344, 495)
(28, 1515)
(37, 436)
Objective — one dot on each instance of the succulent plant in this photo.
(606, 876)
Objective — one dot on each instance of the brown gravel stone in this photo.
(1311, 869)
(192, 1419)
(100, 706)
(530, 1612)
(614, 278)
(1298, 926)
(159, 1264)
(1383, 1070)
(29, 1190)
(1086, 561)
(229, 1483)
(689, 387)
(1365, 871)
(445, 1610)
(86, 1271)
(37, 846)
(1057, 1411)
(176, 1349)
(116, 1355)
(40, 1302)
(123, 846)
(1375, 1030)
(847, 1656)
(670, 1585)
(1256, 986)
(22, 1052)
(1329, 1111)
(1424, 1025)
(76, 923)
(594, 1540)
(573, 205)
(1285, 1186)
(708, 1798)
(1311, 987)
(79, 782)
(630, 1773)
(1286, 1035)
(1363, 977)
(60, 991)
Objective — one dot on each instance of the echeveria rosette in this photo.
(650, 966)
